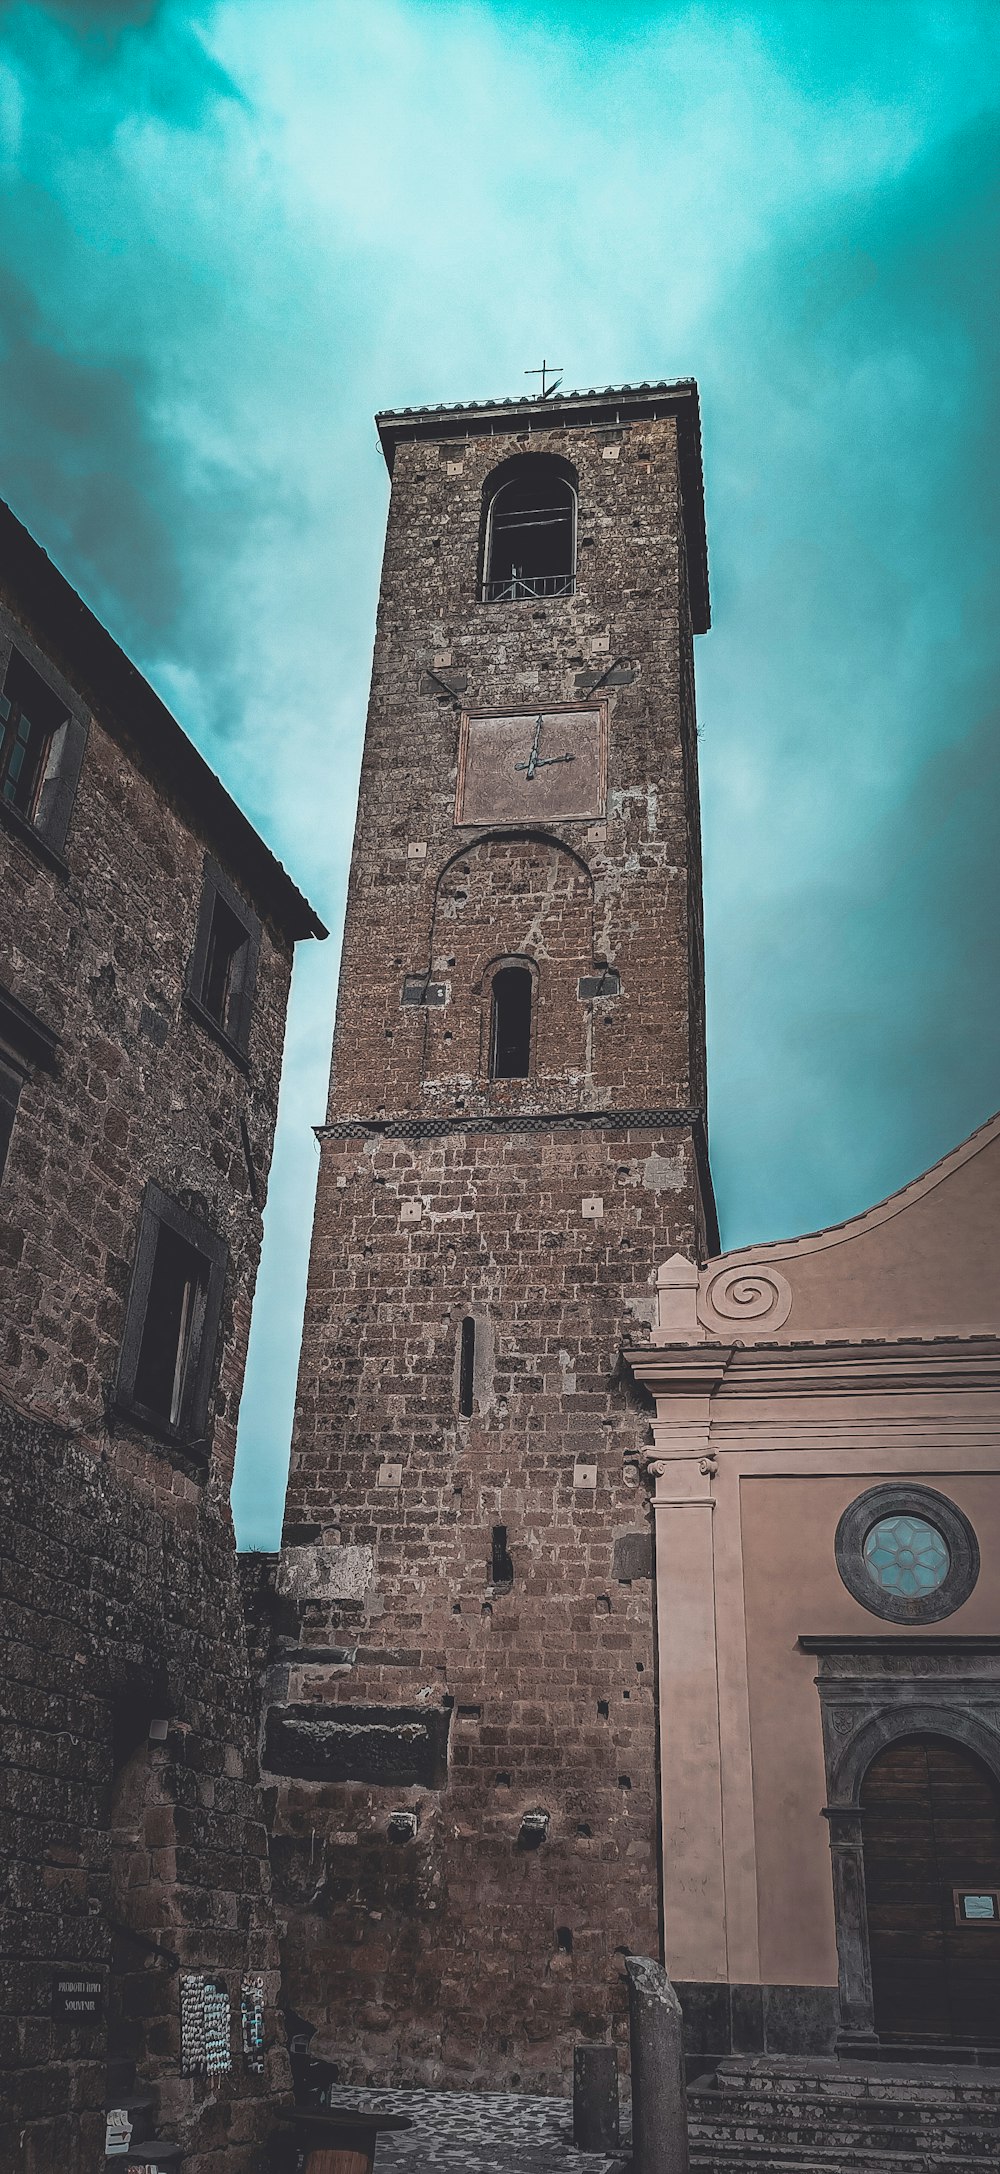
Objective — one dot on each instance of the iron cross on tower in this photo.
(543, 373)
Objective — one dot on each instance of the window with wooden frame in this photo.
(27, 1045)
(11, 1082)
(172, 1322)
(41, 752)
(222, 972)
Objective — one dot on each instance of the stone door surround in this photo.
(872, 1691)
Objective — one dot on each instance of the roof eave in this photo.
(608, 404)
(134, 713)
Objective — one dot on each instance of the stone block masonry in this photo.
(140, 1048)
(459, 1714)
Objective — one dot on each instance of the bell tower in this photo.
(460, 1724)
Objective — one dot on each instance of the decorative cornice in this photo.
(775, 1370)
(946, 1642)
(434, 1128)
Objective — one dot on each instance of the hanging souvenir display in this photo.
(252, 2012)
(215, 2000)
(192, 2025)
(205, 2026)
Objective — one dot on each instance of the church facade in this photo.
(625, 1603)
(828, 1597)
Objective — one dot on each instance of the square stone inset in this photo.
(533, 766)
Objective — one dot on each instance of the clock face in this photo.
(533, 766)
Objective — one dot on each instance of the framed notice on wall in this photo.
(77, 1997)
(977, 1906)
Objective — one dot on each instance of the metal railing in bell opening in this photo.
(522, 585)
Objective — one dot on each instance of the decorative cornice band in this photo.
(434, 1128)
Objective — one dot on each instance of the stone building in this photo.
(460, 1724)
(146, 938)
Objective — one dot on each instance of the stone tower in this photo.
(460, 1721)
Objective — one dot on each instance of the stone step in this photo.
(784, 2078)
(848, 2092)
(824, 2115)
(797, 2136)
(787, 2155)
(762, 2159)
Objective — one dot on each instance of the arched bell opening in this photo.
(529, 545)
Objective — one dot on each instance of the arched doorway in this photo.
(930, 1822)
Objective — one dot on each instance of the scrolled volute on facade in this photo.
(751, 1293)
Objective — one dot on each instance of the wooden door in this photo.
(931, 1826)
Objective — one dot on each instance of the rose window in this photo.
(906, 1556)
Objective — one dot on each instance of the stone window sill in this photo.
(212, 1027)
(28, 836)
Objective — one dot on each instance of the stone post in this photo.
(659, 2096)
(595, 2098)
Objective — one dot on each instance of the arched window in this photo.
(510, 1027)
(530, 531)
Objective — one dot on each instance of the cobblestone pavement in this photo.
(478, 2132)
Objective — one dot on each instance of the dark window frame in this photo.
(160, 1211)
(27, 1045)
(12, 1078)
(217, 889)
(46, 827)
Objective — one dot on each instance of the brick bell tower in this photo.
(460, 1720)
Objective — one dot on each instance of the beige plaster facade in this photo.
(788, 1380)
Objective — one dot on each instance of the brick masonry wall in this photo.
(463, 1764)
(124, 1601)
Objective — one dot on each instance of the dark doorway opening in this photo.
(931, 1833)
(510, 1033)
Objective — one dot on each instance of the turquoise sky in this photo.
(233, 228)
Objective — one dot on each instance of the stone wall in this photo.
(137, 1855)
(459, 1722)
(127, 1860)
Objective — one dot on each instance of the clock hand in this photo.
(535, 760)
(531, 765)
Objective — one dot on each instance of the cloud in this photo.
(235, 227)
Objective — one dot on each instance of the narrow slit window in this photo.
(510, 1033)
(466, 1367)
(173, 1327)
(501, 1565)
